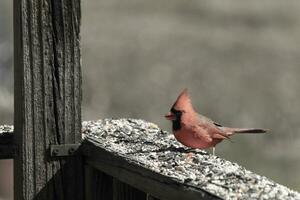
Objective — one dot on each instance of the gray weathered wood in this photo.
(142, 155)
(47, 97)
(123, 191)
(142, 178)
(88, 182)
(98, 185)
(7, 149)
(150, 197)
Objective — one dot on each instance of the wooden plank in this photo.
(123, 191)
(98, 185)
(47, 97)
(150, 197)
(141, 178)
(88, 182)
(140, 154)
(7, 149)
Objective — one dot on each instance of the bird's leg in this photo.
(214, 150)
(189, 155)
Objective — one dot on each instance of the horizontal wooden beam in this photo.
(160, 186)
(138, 153)
(7, 149)
(142, 155)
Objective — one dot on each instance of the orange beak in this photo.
(170, 116)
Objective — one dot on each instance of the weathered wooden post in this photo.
(47, 68)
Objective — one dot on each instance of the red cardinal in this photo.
(197, 131)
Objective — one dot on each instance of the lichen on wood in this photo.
(145, 145)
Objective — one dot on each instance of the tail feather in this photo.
(231, 131)
(249, 130)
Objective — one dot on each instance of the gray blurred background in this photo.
(239, 59)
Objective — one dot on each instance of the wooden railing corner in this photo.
(140, 154)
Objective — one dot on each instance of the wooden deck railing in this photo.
(58, 158)
(133, 159)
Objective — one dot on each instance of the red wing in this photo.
(201, 133)
(212, 128)
(220, 135)
(210, 132)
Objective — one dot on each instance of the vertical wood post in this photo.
(47, 89)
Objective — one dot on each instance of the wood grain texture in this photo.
(7, 149)
(142, 155)
(47, 97)
(98, 185)
(101, 186)
(123, 191)
(150, 197)
(157, 185)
